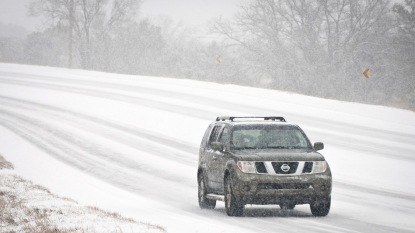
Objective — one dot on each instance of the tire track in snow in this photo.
(328, 124)
(201, 113)
(379, 149)
(129, 130)
(94, 159)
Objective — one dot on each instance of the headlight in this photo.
(320, 166)
(247, 167)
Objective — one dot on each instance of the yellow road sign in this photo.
(218, 59)
(365, 73)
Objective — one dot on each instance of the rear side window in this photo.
(224, 136)
(214, 134)
(205, 137)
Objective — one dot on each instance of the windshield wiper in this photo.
(277, 147)
(243, 148)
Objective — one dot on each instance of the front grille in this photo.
(308, 167)
(285, 186)
(260, 168)
(279, 165)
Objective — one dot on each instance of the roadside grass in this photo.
(32, 208)
(5, 164)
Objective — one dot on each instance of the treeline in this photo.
(316, 48)
(320, 47)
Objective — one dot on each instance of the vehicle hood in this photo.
(278, 155)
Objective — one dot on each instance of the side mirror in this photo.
(318, 146)
(217, 146)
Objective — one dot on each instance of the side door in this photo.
(211, 158)
(222, 157)
(202, 149)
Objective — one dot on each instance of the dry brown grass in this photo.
(110, 214)
(123, 218)
(5, 164)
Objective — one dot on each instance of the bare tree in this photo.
(301, 43)
(403, 58)
(90, 20)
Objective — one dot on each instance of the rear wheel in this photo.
(321, 207)
(204, 202)
(233, 208)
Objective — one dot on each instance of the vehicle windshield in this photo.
(268, 137)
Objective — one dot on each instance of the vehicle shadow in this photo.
(271, 212)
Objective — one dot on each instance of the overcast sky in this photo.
(196, 12)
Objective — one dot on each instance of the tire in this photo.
(204, 202)
(287, 206)
(233, 208)
(321, 207)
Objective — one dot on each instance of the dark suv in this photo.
(261, 160)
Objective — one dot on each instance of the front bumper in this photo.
(271, 189)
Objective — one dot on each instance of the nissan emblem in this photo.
(285, 168)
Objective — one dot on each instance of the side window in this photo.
(224, 136)
(205, 137)
(214, 134)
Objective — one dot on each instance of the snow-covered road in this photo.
(130, 144)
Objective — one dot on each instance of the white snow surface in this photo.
(129, 144)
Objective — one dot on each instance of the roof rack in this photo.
(230, 118)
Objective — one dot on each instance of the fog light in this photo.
(323, 187)
(246, 188)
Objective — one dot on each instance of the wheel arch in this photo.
(201, 171)
(229, 170)
(225, 175)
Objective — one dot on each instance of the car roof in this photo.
(257, 123)
(253, 120)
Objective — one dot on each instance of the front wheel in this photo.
(204, 202)
(321, 207)
(233, 208)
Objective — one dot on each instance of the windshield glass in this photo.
(268, 137)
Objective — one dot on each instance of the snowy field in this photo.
(129, 144)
